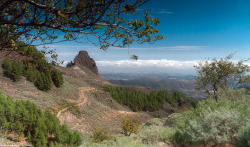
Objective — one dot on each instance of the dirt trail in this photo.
(127, 112)
(83, 98)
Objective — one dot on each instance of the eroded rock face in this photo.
(83, 59)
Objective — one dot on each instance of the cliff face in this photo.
(83, 59)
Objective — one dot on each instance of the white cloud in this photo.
(149, 63)
(67, 54)
(147, 66)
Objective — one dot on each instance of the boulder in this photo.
(83, 59)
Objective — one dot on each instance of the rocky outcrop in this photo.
(83, 59)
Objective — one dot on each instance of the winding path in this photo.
(83, 98)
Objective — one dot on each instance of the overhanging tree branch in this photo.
(108, 20)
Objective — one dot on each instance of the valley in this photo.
(159, 81)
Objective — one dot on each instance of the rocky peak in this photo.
(83, 59)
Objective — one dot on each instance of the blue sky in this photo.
(193, 30)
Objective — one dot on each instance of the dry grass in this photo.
(99, 111)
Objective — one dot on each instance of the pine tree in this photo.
(58, 135)
(17, 70)
(40, 138)
(57, 78)
(78, 140)
(29, 137)
(30, 75)
(7, 65)
(51, 144)
(40, 82)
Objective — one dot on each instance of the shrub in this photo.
(101, 134)
(155, 121)
(168, 135)
(243, 137)
(212, 122)
(212, 127)
(130, 124)
(124, 141)
(150, 133)
(156, 116)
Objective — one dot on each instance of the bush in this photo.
(212, 127)
(168, 135)
(154, 121)
(124, 141)
(243, 137)
(57, 78)
(130, 124)
(101, 134)
(156, 116)
(212, 122)
(150, 133)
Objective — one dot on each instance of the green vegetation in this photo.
(101, 134)
(130, 124)
(213, 122)
(221, 74)
(124, 141)
(24, 118)
(13, 69)
(168, 134)
(37, 70)
(117, 26)
(57, 78)
(210, 123)
(243, 137)
(140, 101)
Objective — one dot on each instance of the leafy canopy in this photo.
(112, 22)
(217, 74)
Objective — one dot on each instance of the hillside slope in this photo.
(80, 102)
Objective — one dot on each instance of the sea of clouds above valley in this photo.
(147, 66)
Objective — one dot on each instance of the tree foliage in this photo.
(24, 118)
(38, 71)
(112, 22)
(217, 74)
(140, 101)
(57, 78)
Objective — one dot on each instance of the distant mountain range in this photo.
(158, 81)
